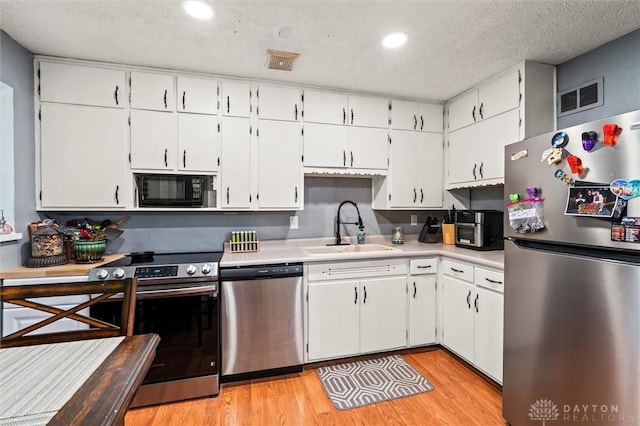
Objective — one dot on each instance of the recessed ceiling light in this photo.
(394, 40)
(198, 9)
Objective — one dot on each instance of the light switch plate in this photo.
(414, 219)
(293, 222)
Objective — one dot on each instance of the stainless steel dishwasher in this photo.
(261, 321)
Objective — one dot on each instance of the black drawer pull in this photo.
(457, 270)
(493, 281)
(424, 266)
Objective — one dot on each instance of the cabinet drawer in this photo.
(423, 266)
(493, 280)
(460, 270)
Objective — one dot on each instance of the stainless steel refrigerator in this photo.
(572, 280)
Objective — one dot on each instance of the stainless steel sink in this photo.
(352, 248)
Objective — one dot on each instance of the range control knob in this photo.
(119, 273)
(206, 268)
(191, 269)
(102, 274)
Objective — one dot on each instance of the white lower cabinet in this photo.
(472, 315)
(351, 313)
(16, 318)
(422, 301)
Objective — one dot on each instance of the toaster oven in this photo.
(479, 229)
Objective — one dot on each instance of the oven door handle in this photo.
(171, 292)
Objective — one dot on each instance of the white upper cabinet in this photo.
(197, 95)
(368, 112)
(198, 143)
(500, 95)
(235, 141)
(279, 103)
(280, 178)
(406, 115)
(152, 91)
(368, 148)
(325, 145)
(153, 140)
(235, 99)
(82, 85)
(325, 107)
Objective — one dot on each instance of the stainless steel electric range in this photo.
(177, 298)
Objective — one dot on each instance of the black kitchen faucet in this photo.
(338, 222)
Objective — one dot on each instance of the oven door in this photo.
(185, 318)
(468, 234)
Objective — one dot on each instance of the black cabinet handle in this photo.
(227, 195)
(166, 164)
(344, 157)
(355, 301)
(351, 152)
(421, 195)
(296, 111)
(493, 281)
(184, 95)
(415, 195)
(184, 159)
(352, 123)
(475, 302)
(481, 175)
(421, 123)
(117, 189)
(415, 122)
(365, 295)
(296, 194)
(457, 270)
(469, 299)
(480, 110)
(165, 98)
(474, 172)
(424, 266)
(115, 94)
(344, 116)
(473, 113)
(228, 104)
(415, 289)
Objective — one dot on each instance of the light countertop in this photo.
(290, 251)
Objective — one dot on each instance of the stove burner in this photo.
(141, 257)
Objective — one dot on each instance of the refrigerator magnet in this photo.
(546, 153)
(555, 157)
(589, 140)
(594, 201)
(520, 154)
(611, 132)
(625, 189)
(575, 163)
(559, 140)
(559, 174)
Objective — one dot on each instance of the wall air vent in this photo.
(586, 96)
(283, 61)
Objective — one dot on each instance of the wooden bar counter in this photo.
(70, 269)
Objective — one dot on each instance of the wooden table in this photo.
(104, 397)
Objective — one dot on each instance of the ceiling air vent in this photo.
(586, 96)
(282, 61)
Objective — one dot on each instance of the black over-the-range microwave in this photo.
(171, 190)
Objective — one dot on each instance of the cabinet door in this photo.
(83, 156)
(457, 317)
(464, 146)
(236, 99)
(383, 314)
(325, 107)
(197, 95)
(404, 165)
(463, 111)
(235, 166)
(197, 142)
(153, 140)
(430, 118)
(422, 309)
(488, 331)
(495, 133)
(279, 165)
(152, 91)
(16, 319)
(404, 115)
(279, 103)
(368, 112)
(368, 148)
(501, 95)
(429, 169)
(334, 312)
(325, 145)
(82, 85)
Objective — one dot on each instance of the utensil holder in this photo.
(448, 233)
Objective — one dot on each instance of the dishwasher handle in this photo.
(261, 272)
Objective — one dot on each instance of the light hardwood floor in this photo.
(461, 397)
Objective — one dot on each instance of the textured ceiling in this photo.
(453, 44)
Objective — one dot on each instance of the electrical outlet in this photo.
(293, 222)
(414, 219)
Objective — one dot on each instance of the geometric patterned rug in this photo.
(366, 382)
